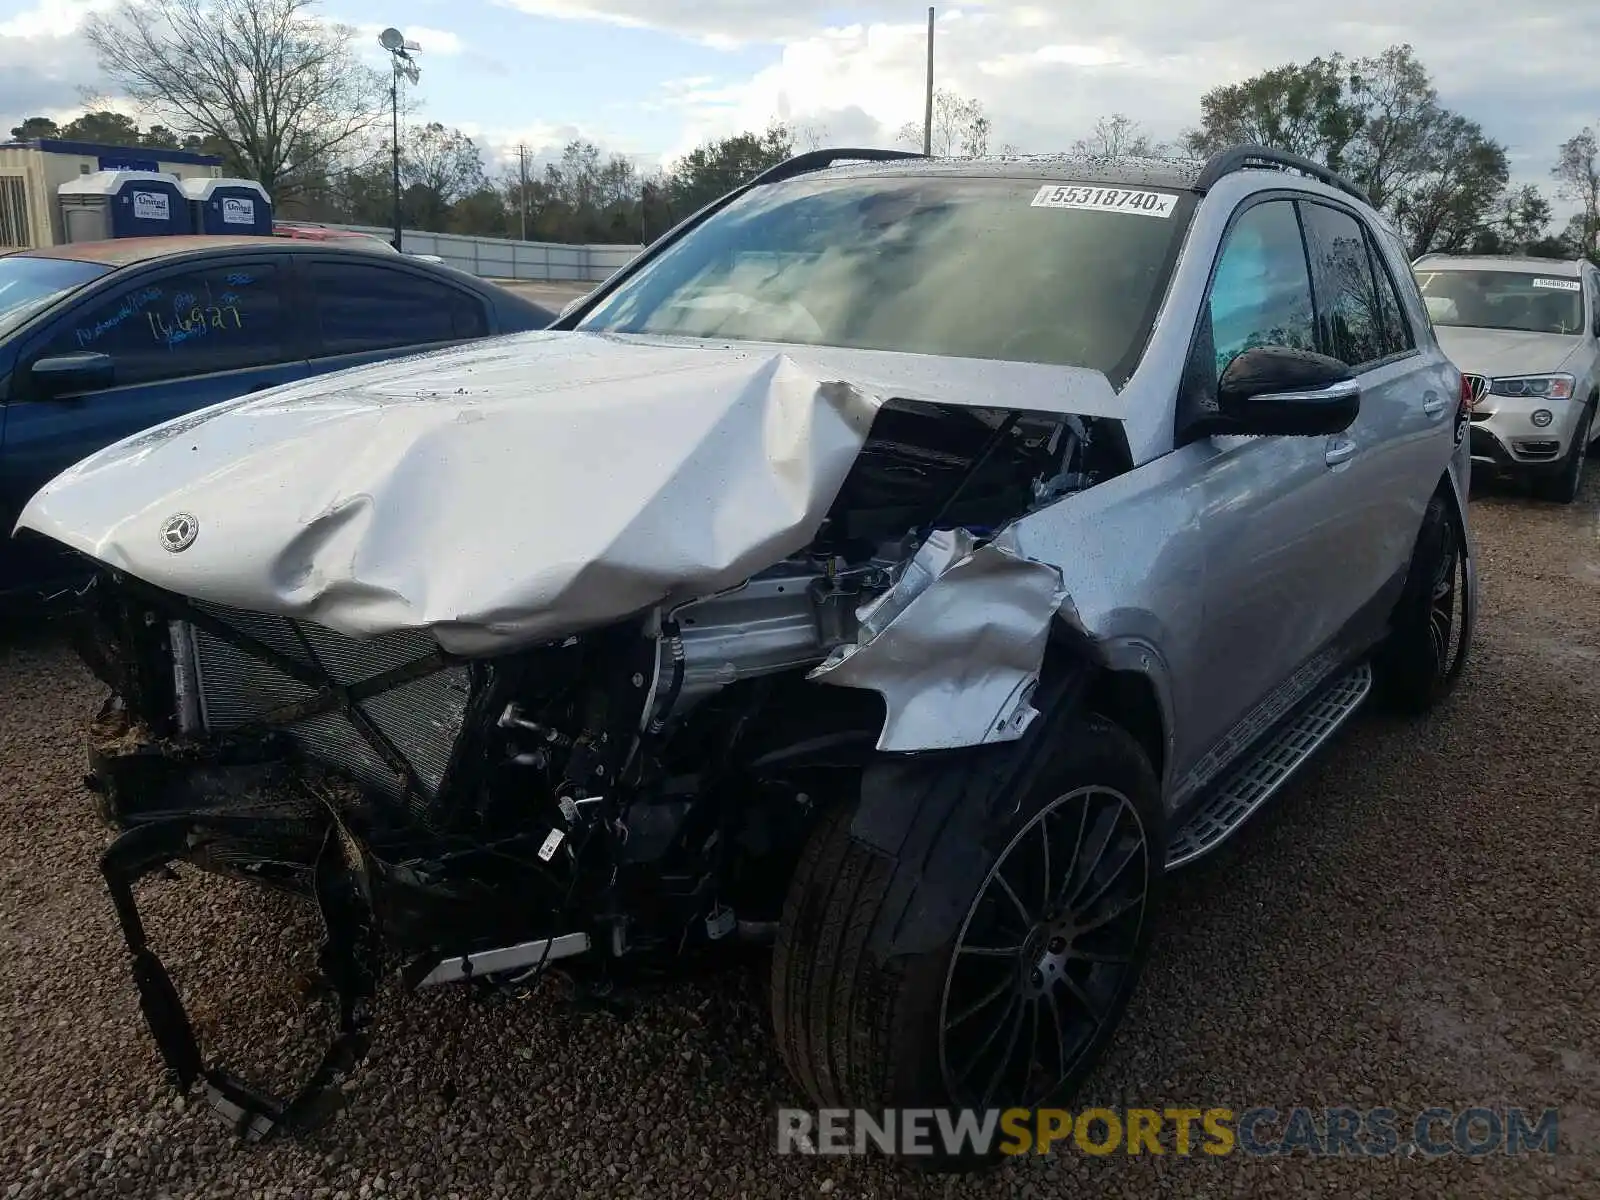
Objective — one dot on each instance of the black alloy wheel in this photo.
(1045, 950)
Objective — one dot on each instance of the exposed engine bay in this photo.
(630, 793)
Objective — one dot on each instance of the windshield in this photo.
(28, 284)
(976, 268)
(1518, 300)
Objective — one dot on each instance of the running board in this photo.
(1232, 804)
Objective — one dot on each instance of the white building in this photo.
(31, 171)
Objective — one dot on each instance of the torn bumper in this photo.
(385, 897)
(350, 961)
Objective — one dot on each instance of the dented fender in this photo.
(955, 647)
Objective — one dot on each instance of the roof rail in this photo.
(821, 160)
(1245, 158)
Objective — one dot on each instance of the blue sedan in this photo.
(99, 340)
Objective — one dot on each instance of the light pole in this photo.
(400, 52)
(927, 118)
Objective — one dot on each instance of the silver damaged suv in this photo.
(904, 562)
(1527, 333)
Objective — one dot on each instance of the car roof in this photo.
(126, 252)
(1564, 267)
(1129, 170)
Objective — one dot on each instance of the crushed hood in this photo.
(1506, 351)
(514, 489)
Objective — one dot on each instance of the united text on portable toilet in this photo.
(118, 204)
(229, 206)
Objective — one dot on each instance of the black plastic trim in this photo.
(1250, 157)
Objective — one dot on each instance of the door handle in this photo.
(1433, 404)
(1339, 452)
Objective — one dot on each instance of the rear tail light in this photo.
(1466, 396)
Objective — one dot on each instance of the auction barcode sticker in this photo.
(1108, 199)
(548, 847)
(1560, 285)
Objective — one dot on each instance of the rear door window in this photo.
(1350, 318)
(196, 320)
(372, 306)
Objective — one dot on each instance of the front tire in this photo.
(1015, 1001)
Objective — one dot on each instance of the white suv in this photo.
(1526, 331)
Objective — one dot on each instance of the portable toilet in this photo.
(229, 206)
(119, 204)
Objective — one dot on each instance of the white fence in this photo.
(501, 258)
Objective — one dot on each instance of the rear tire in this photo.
(1420, 661)
(1035, 963)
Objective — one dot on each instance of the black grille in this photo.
(421, 717)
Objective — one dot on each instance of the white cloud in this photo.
(721, 24)
(44, 60)
(52, 18)
(1045, 73)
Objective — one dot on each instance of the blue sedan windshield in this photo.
(28, 284)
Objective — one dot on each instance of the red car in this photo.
(310, 231)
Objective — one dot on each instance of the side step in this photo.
(1244, 791)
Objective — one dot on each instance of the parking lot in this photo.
(552, 295)
(1412, 924)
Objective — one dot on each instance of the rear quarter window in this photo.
(1405, 281)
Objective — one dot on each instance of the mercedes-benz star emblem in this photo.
(179, 533)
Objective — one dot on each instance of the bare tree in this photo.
(281, 91)
(438, 167)
(960, 128)
(809, 136)
(1577, 172)
(1116, 136)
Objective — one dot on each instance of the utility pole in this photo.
(522, 194)
(394, 145)
(927, 118)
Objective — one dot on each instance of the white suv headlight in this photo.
(1545, 387)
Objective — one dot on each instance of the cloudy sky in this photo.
(654, 77)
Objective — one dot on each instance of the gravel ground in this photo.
(1413, 924)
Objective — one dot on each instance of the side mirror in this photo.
(1293, 393)
(64, 374)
